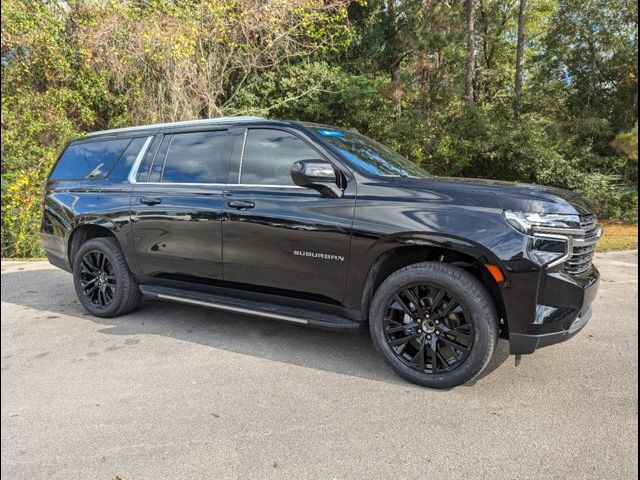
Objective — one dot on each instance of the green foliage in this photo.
(612, 198)
(395, 71)
(627, 144)
(20, 214)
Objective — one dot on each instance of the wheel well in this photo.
(82, 234)
(404, 256)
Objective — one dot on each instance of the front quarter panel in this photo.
(388, 217)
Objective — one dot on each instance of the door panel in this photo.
(180, 237)
(177, 215)
(280, 236)
(293, 239)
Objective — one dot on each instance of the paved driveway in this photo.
(181, 392)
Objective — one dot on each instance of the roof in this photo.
(186, 123)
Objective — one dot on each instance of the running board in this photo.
(252, 307)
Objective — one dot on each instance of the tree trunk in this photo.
(423, 60)
(396, 83)
(471, 53)
(395, 59)
(522, 18)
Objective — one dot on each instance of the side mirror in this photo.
(318, 175)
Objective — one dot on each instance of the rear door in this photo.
(278, 237)
(177, 205)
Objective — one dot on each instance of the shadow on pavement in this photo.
(351, 354)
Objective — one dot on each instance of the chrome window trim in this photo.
(252, 185)
(257, 185)
(133, 173)
(244, 143)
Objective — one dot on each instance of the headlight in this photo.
(532, 223)
(553, 234)
(558, 239)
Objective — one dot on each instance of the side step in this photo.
(252, 307)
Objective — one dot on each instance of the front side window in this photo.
(269, 155)
(91, 160)
(196, 157)
(369, 155)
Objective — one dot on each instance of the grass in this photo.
(24, 259)
(618, 237)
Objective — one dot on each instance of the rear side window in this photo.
(145, 167)
(89, 160)
(269, 156)
(197, 157)
(120, 172)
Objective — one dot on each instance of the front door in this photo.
(278, 236)
(177, 205)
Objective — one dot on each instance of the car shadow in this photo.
(351, 354)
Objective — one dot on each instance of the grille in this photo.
(584, 246)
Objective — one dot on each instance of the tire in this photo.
(118, 285)
(460, 342)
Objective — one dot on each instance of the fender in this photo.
(384, 247)
(118, 229)
(436, 240)
(97, 220)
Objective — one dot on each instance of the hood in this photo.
(524, 197)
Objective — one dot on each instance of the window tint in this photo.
(156, 167)
(145, 167)
(269, 156)
(200, 157)
(369, 155)
(120, 172)
(89, 160)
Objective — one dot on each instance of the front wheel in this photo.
(434, 324)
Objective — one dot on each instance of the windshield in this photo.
(369, 155)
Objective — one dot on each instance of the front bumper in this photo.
(521, 344)
(565, 310)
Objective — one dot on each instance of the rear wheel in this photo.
(103, 282)
(434, 324)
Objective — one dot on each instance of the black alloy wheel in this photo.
(434, 324)
(97, 278)
(427, 328)
(101, 277)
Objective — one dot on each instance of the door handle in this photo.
(150, 200)
(240, 204)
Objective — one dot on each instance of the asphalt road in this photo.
(180, 392)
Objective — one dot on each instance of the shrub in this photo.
(20, 213)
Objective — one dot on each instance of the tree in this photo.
(401, 71)
(471, 52)
(522, 17)
(395, 54)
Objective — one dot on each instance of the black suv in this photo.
(321, 226)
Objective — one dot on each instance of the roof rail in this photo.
(185, 123)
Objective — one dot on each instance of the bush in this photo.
(21, 214)
(612, 199)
